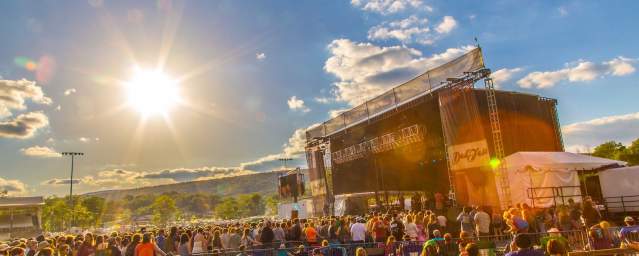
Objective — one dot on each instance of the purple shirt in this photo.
(629, 233)
(526, 252)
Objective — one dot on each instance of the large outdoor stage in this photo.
(435, 133)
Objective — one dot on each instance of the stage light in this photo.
(494, 163)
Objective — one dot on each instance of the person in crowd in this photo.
(344, 231)
(247, 240)
(599, 237)
(361, 252)
(516, 223)
(589, 214)
(523, 246)
(471, 249)
(419, 222)
(216, 240)
(430, 248)
(556, 248)
(358, 231)
(160, 239)
(296, 231)
(16, 251)
(130, 248)
(112, 246)
(199, 242)
(184, 247)
(482, 222)
(379, 229)
(235, 239)
(397, 226)
(553, 234)
(449, 248)
(464, 239)
(442, 221)
(242, 251)
(278, 232)
(432, 225)
(170, 246)
(311, 234)
(147, 247)
(101, 246)
(87, 248)
(411, 228)
(466, 220)
(390, 247)
(630, 232)
(497, 223)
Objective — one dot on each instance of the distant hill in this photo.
(262, 182)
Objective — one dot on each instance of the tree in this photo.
(610, 150)
(163, 209)
(95, 206)
(631, 154)
(228, 209)
(271, 205)
(55, 213)
(251, 205)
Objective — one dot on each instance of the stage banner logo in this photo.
(468, 155)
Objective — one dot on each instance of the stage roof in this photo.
(6, 202)
(421, 85)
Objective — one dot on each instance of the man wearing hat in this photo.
(553, 234)
(629, 233)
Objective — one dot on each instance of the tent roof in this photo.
(558, 161)
(624, 169)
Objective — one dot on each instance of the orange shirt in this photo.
(311, 234)
(147, 249)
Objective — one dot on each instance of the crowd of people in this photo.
(434, 230)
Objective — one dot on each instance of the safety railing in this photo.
(578, 242)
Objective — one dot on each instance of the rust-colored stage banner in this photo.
(467, 146)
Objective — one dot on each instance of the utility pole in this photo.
(72, 154)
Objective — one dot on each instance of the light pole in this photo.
(72, 154)
(285, 159)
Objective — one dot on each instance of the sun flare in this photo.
(152, 92)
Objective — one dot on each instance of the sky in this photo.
(251, 76)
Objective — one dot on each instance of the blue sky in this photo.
(254, 74)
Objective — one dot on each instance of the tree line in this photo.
(618, 151)
(94, 211)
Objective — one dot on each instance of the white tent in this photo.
(552, 175)
(618, 184)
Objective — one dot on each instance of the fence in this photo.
(577, 241)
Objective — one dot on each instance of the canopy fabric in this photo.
(552, 174)
(558, 161)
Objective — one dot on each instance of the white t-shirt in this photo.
(441, 220)
(482, 222)
(411, 230)
(358, 232)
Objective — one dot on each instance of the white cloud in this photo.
(504, 75)
(386, 7)
(588, 134)
(411, 30)
(365, 70)
(23, 126)
(579, 72)
(14, 94)
(296, 104)
(68, 92)
(562, 11)
(121, 178)
(260, 56)
(336, 112)
(40, 151)
(294, 149)
(447, 25)
(13, 187)
(324, 100)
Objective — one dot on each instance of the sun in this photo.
(151, 92)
